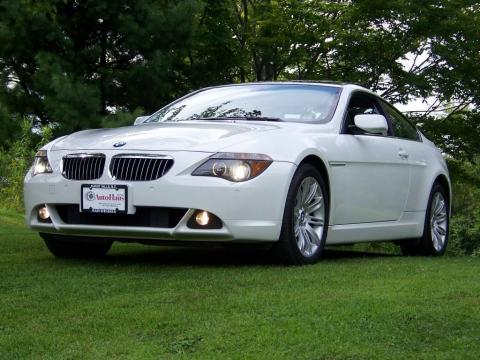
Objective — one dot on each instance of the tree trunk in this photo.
(103, 69)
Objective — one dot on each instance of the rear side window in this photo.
(402, 128)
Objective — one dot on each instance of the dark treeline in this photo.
(75, 63)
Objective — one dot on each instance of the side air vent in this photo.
(83, 166)
(139, 167)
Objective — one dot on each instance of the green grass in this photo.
(148, 302)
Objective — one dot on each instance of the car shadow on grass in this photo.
(216, 256)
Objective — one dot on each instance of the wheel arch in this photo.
(442, 179)
(320, 165)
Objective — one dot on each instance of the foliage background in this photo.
(69, 65)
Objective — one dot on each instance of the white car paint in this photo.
(379, 186)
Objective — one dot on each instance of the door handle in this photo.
(403, 154)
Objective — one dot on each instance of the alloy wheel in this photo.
(309, 216)
(438, 221)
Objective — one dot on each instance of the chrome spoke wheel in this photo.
(309, 216)
(438, 221)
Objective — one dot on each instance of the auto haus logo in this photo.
(91, 196)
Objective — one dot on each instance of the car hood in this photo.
(186, 136)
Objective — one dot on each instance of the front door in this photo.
(370, 173)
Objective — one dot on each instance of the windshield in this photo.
(265, 102)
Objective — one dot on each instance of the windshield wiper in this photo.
(251, 118)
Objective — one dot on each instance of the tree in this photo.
(399, 48)
(73, 63)
(458, 134)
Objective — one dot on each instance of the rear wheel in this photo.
(76, 246)
(435, 234)
(305, 219)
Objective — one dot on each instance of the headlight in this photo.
(41, 164)
(235, 167)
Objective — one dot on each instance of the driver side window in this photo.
(360, 104)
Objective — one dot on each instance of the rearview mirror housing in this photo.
(139, 120)
(372, 123)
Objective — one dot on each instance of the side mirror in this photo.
(140, 120)
(371, 123)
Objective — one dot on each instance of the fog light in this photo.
(202, 218)
(43, 213)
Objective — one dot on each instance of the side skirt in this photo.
(410, 225)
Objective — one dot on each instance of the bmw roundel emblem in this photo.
(119, 144)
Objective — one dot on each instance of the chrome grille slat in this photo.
(75, 171)
(129, 169)
(82, 170)
(83, 166)
(139, 167)
(90, 166)
(95, 169)
(113, 163)
(149, 163)
(164, 165)
(66, 166)
(136, 164)
(121, 171)
(142, 167)
(158, 169)
(134, 169)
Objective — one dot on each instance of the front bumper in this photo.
(250, 211)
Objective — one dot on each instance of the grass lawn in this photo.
(152, 302)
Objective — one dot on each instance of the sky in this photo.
(417, 104)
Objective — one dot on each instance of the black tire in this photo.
(425, 244)
(76, 246)
(286, 249)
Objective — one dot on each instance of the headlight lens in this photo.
(235, 167)
(41, 164)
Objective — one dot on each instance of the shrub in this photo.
(465, 223)
(15, 160)
(465, 234)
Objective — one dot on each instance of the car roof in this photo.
(345, 85)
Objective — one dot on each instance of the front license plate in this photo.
(106, 199)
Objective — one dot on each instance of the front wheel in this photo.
(435, 235)
(76, 246)
(305, 219)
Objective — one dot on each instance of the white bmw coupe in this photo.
(298, 164)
